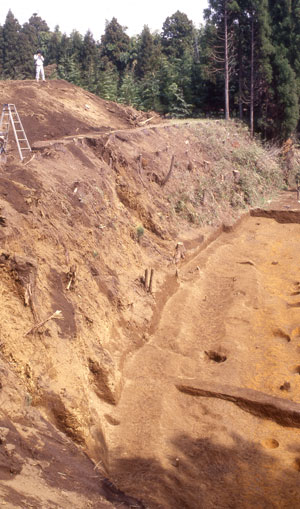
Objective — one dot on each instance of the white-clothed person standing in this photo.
(39, 66)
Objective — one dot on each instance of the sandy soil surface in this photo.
(183, 397)
(232, 323)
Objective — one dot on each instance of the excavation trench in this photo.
(221, 339)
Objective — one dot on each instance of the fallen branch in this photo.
(107, 141)
(24, 164)
(29, 299)
(56, 314)
(145, 121)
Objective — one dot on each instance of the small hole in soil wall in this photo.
(216, 356)
(270, 443)
(297, 464)
(286, 386)
(297, 370)
(279, 333)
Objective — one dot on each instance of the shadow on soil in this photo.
(206, 475)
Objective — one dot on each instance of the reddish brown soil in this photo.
(56, 109)
(234, 320)
(186, 397)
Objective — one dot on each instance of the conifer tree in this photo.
(88, 59)
(115, 45)
(255, 52)
(147, 54)
(221, 15)
(280, 13)
(177, 35)
(285, 111)
(107, 84)
(166, 77)
(178, 39)
(129, 92)
(183, 72)
(34, 30)
(149, 90)
(207, 88)
(178, 106)
(63, 49)
(53, 47)
(26, 68)
(295, 41)
(76, 46)
(68, 68)
(11, 47)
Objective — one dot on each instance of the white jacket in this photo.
(39, 59)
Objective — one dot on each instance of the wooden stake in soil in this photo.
(146, 281)
(71, 275)
(151, 281)
(165, 180)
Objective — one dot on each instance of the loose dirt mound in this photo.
(91, 353)
(55, 109)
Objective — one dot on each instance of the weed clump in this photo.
(240, 173)
(139, 233)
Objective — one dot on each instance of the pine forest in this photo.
(243, 63)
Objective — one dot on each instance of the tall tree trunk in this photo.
(240, 59)
(252, 80)
(226, 62)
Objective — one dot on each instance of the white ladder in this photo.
(10, 116)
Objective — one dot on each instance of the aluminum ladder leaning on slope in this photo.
(10, 116)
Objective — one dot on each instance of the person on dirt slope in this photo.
(39, 66)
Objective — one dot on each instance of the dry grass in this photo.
(242, 173)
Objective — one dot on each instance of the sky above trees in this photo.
(91, 15)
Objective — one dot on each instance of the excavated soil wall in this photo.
(118, 393)
(210, 411)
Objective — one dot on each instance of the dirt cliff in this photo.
(116, 391)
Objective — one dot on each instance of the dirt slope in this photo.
(93, 363)
(56, 109)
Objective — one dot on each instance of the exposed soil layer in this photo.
(229, 437)
(56, 109)
(115, 391)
